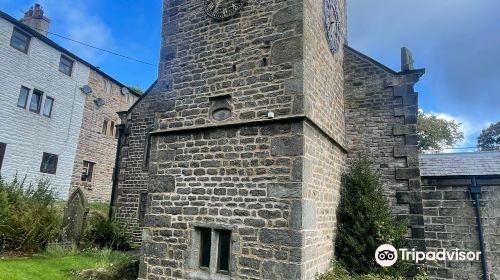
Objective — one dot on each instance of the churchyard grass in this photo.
(58, 264)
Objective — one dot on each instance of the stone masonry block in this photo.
(153, 249)
(288, 14)
(280, 237)
(157, 221)
(284, 190)
(407, 173)
(404, 129)
(277, 270)
(287, 50)
(161, 183)
(287, 146)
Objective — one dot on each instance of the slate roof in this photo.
(58, 47)
(476, 163)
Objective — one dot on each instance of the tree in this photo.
(365, 222)
(489, 139)
(436, 134)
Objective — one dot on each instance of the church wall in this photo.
(380, 112)
(246, 179)
(324, 138)
(450, 222)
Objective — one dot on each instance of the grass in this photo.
(58, 264)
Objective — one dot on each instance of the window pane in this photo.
(224, 250)
(20, 41)
(36, 99)
(87, 171)
(205, 244)
(49, 163)
(47, 107)
(104, 127)
(65, 65)
(23, 97)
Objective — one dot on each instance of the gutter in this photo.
(475, 191)
(116, 169)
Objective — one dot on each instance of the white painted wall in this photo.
(28, 134)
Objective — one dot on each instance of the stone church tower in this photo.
(230, 165)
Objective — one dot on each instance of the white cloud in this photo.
(470, 129)
(77, 19)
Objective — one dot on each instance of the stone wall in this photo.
(450, 222)
(380, 113)
(263, 178)
(244, 178)
(27, 134)
(93, 145)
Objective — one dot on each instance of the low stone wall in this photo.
(450, 222)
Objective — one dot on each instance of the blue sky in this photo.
(457, 41)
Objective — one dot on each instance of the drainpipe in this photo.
(475, 191)
(116, 169)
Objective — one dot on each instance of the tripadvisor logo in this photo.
(386, 255)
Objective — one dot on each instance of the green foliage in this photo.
(436, 134)
(338, 272)
(59, 263)
(104, 233)
(489, 139)
(365, 222)
(136, 90)
(29, 218)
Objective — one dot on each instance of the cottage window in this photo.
(88, 171)
(108, 87)
(36, 101)
(49, 163)
(205, 247)
(20, 40)
(224, 250)
(112, 128)
(3, 147)
(218, 240)
(47, 106)
(104, 130)
(22, 101)
(66, 65)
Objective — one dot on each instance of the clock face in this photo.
(333, 27)
(222, 9)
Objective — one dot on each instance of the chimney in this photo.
(34, 18)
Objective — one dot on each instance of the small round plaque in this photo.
(221, 114)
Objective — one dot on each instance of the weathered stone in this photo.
(287, 146)
(161, 184)
(287, 50)
(280, 237)
(75, 218)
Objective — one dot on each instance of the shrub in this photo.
(29, 218)
(104, 233)
(338, 272)
(365, 222)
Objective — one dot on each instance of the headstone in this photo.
(75, 216)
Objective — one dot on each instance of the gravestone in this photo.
(75, 216)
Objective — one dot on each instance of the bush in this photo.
(365, 222)
(29, 218)
(104, 233)
(338, 272)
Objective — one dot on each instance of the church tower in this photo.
(230, 166)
